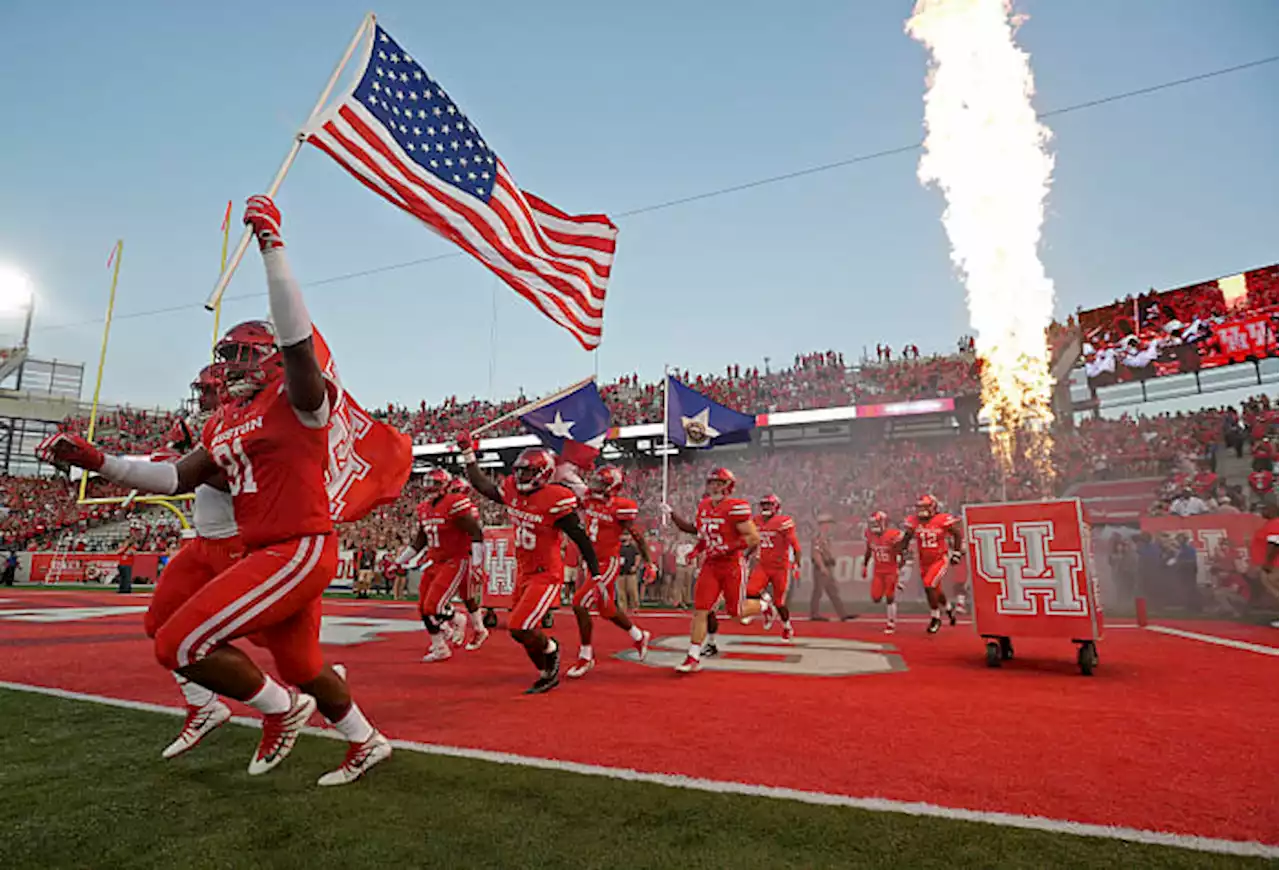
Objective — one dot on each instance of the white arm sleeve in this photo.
(288, 311)
(144, 475)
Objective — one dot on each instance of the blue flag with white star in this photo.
(693, 420)
(573, 425)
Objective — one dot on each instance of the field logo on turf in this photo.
(762, 654)
(1031, 572)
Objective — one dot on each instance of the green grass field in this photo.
(82, 785)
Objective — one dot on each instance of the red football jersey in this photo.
(931, 537)
(275, 468)
(605, 517)
(883, 547)
(534, 516)
(718, 523)
(777, 541)
(438, 519)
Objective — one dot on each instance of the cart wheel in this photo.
(490, 619)
(548, 619)
(1006, 648)
(993, 654)
(1087, 658)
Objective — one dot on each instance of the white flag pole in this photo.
(299, 138)
(666, 444)
(535, 404)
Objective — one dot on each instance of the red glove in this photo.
(466, 443)
(63, 448)
(261, 214)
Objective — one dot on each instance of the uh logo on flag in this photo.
(574, 424)
(693, 420)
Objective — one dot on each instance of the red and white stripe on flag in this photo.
(559, 262)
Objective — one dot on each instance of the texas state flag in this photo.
(693, 420)
(573, 425)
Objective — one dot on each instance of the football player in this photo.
(778, 562)
(938, 541)
(886, 548)
(540, 510)
(608, 515)
(271, 443)
(729, 536)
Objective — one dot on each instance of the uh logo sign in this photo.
(1032, 570)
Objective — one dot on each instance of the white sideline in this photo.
(883, 805)
(1214, 639)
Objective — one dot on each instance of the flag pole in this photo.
(666, 445)
(537, 403)
(217, 309)
(117, 255)
(215, 297)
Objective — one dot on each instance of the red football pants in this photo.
(273, 592)
(535, 594)
(884, 585)
(197, 562)
(440, 583)
(727, 577)
(602, 596)
(933, 572)
(775, 576)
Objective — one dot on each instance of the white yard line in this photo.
(1215, 640)
(874, 804)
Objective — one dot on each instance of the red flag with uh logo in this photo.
(369, 461)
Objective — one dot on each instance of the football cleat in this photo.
(690, 665)
(438, 654)
(710, 650)
(787, 631)
(280, 732)
(553, 663)
(934, 624)
(360, 757)
(642, 645)
(888, 628)
(477, 639)
(545, 683)
(580, 667)
(768, 611)
(458, 626)
(951, 615)
(200, 722)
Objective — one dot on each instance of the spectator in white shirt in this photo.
(1188, 504)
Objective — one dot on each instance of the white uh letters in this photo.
(1032, 574)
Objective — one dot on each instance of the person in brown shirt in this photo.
(824, 579)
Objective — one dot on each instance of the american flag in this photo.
(401, 136)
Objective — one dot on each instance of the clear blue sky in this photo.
(140, 119)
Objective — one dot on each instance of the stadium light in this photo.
(16, 292)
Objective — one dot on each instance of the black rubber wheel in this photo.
(548, 619)
(1087, 658)
(993, 654)
(1006, 648)
(490, 619)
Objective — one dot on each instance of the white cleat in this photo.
(360, 757)
(581, 667)
(438, 654)
(769, 612)
(642, 645)
(280, 733)
(477, 639)
(458, 628)
(201, 721)
(888, 628)
(690, 665)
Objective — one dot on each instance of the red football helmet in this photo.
(725, 478)
(607, 480)
(534, 468)
(458, 485)
(770, 505)
(208, 389)
(436, 482)
(927, 507)
(250, 358)
(878, 522)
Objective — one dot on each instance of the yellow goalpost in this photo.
(171, 503)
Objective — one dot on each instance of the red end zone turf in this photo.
(1171, 734)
